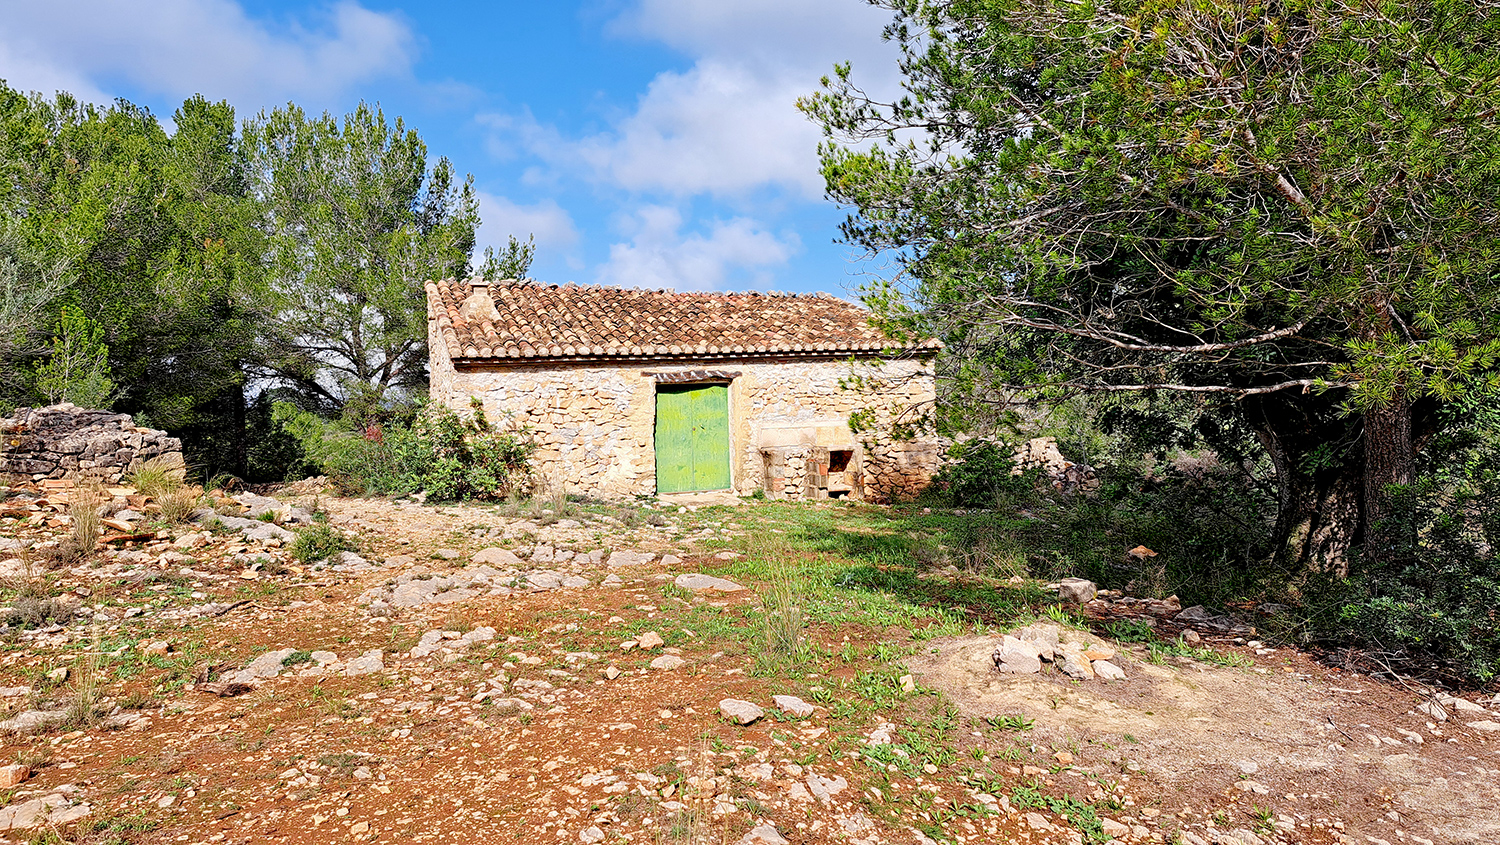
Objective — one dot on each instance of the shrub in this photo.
(447, 455)
(978, 474)
(319, 542)
(1434, 599)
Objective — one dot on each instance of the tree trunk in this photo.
(1332, 475)
(241, 458)
(1390, 459)
(1318, 478)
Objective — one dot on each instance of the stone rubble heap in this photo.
(64, 440)
(1066, 476)
(1024, 652)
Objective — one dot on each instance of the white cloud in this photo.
(659, 255)
(500, 218)
(729, 124)
(718, 128)
(180, 47)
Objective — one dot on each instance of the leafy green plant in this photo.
(320, 540)
(447, 455)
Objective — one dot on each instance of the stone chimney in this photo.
(479, 305)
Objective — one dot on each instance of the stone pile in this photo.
(1024, 652)
(1066, 476)
(64, 440)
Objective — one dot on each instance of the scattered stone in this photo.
(368, 663)
(13, 775)
(792, 706)
(1107, 671)
(668, 662)
(728, 555)
(1075, 665)
(908, 683)
(53, 810)
(30, 721)
(591, 835)
(1191, 637)
(1485, 725)
(740, 712)
(1459, 705)
(696, 581)
(58, 675)
(763, 834)
(266, 666)
(650, 640)
(621, 558)
(447, 554)
(1017, 657)
(670, 560)
(612, 672)
(1433, 710)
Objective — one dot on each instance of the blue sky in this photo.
(648, 143)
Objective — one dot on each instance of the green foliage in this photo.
(438, 451)
(355, 222)
(1435, 599)
(513, 262)
(977, 473)
(317, 542)
(77, 368)
(1272, 204)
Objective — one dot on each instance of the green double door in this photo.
(692, 438)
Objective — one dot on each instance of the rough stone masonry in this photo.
(65, 440)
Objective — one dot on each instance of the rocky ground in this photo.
(603, 674)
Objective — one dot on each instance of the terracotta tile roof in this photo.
(533, 320)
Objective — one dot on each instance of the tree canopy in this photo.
(189, 277)
(1293, 206)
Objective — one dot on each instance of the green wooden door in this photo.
(692, 438)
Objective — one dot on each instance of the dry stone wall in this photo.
(64, 440)
(594, 423)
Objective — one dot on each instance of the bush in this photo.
(1433, 601)
(978, 474)
(321, 541)
(447, 455)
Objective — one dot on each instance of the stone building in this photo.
(644, 392)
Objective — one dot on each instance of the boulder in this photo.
(1077, 590)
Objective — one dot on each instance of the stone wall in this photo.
(62, 441)
(594, 423)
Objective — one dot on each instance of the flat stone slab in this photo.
(497, 557)
(266, 666)
(668, 662)
(697, 581)
(739, 711)
(629, 558)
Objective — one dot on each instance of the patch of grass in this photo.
(1077, 813)
(1130, 631)
(156, 476)
(179, 503)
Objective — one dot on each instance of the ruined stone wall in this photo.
(594, 424)
(62, 441)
